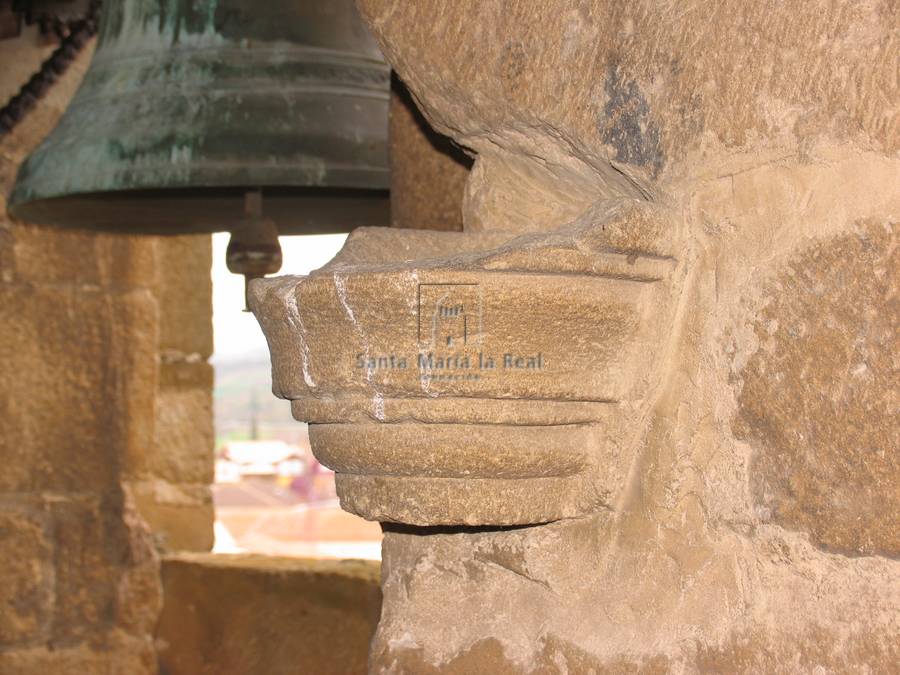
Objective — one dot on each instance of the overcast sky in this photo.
(236, 333)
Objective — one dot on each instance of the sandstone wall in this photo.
(428, 173)
(105, 421)
(756, 528)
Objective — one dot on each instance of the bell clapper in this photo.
(253, 249)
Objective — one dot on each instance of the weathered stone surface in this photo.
(182, 451)
(562, 595)
(26, 596)
(819, 398)
(180, 515)
(115, 653)
(77, 377)
(76, 567)
(139, 589)
(428, 173)
(817, 651)
(278, 616)
(626, 82)
(471, 501)
(185, 296)
(51, 255)
(89, 551)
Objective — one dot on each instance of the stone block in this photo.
(185, 375)
(276, 616)
(112, 653)
(26, 565)
(53, 255)
(179, 515)
(185, 294)
(77, 384)
(184, 425)
(819, 399)
(74, 566)
(139, 590)
(90, 551)
(182, 451)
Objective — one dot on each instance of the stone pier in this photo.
(639, 415)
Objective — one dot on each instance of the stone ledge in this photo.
(242, 614)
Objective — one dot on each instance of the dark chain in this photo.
(75, 35)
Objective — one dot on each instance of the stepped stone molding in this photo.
(473, 382)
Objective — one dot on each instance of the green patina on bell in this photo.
(188, 105)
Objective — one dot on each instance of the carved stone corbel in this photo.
(477, 378)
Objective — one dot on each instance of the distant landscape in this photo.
(243, 385)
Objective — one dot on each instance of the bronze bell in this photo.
(189, 105)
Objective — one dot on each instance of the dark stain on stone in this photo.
(627, 126)
(440, 143)
(512, 63)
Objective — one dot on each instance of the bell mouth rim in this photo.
(300, 209)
